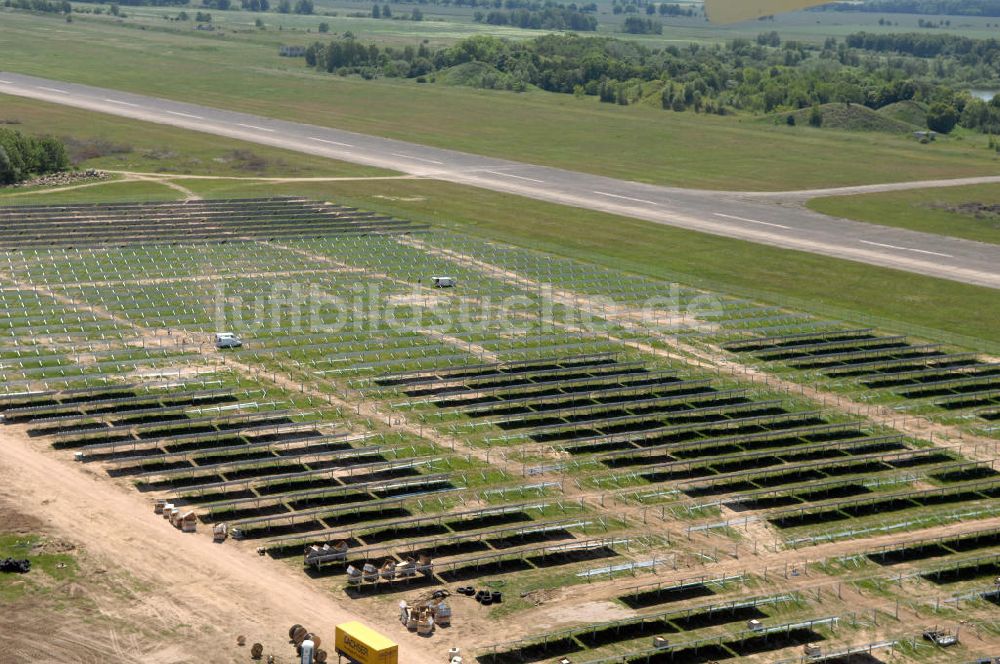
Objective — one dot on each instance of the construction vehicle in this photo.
(227, 340)
(941, 637)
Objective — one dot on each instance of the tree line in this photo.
(650, 8)
(635, 25)
(140, 3)
(760, 76)
(982, 115)
(279, 6)
(743, 75)
(928, 45)
(44, 6)
(931, 7)
(550, 17)
(23, 156)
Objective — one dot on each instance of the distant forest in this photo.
(929, 7)
(966, 50)
(548, 17)
(759, 76)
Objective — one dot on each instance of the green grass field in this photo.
(795, 278)
(129, 145)
(636, 142)
(54, 566)
(930, 211)
(121, 190)
(446, 23)
(934, 308)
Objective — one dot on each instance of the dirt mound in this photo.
(849, 117)
(476, 75)
(909, 111)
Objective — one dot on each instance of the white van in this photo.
(443, 282)
(227, 340)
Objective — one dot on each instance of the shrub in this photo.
(23, 156)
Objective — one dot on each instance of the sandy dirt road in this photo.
(212, 592)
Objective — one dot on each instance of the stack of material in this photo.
(317, 555)
(185, 521)
(189, 522)
(418, 618)
(388, 570)
(441, 612)
(409, 567)
(425, 624)
(423, 615)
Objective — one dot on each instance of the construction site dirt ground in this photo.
(146, 592)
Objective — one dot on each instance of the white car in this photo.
(227, 340)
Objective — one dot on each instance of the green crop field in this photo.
(638, 142)
(965, 212)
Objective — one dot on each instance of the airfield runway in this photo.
(766, 218)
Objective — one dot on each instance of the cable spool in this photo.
(292, 630)
(299, 635)
(315, 639)
(256, 651)
(321, 657)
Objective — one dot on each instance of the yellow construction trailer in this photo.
(364, 645)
